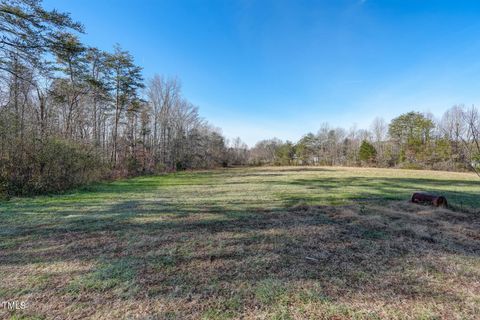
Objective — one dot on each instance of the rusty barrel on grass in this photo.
(431, 199)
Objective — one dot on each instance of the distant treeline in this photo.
(412, 140)
(71, 114)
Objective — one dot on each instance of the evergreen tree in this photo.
(411, 132)
(126, 79)
(367, 152)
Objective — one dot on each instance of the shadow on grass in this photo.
(384, 251)
(332, 234)
(389, 189)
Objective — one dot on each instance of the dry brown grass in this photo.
(370, 259)
(383, 260)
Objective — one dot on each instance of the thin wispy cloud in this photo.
(334, 61)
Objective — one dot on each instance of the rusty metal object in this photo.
(437, 201)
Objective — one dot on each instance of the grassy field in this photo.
(257, 243)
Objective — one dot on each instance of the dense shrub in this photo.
(55, 165)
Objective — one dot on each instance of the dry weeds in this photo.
(365, 260)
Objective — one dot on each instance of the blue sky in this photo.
(261, 69)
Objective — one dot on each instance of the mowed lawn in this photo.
(247, 243)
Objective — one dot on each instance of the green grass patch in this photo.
(117, 275)
(273, 243)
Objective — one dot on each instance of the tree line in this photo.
(412, 140)
(71, 114)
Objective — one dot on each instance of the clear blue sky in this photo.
(260, 69)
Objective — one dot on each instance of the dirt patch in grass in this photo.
(371, 259)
